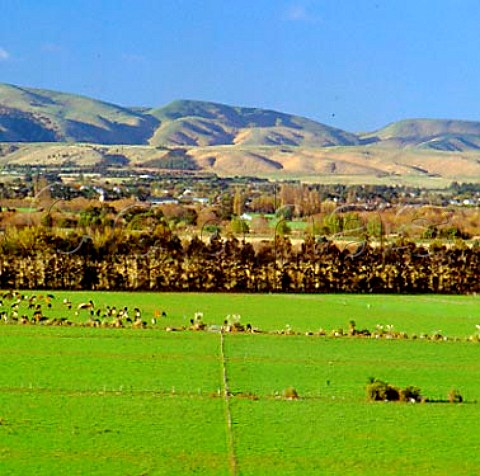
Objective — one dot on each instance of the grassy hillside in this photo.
(34, 115)
(48, 127)
(359, 164)
(336, 163)
(198, 123)
(438, 134)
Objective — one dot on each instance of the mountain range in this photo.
(44, 125)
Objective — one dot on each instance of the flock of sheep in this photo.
(37, 309)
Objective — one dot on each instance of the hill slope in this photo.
(35, 115)
(437, 134)
(53, 128)
(197, 123)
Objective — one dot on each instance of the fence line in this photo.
(228, 413)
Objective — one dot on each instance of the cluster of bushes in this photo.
(378, 390)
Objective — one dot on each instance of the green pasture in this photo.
(333, 429)
(101, 401)
(454, 316)
(77, 401)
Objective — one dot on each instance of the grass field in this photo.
(76, 400)
(455, 316)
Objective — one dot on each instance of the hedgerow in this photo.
(38, 258)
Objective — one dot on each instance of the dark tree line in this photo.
(162, 262)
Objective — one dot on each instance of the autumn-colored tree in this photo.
(238, 202)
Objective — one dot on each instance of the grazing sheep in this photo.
(86, 305)
(139, 324)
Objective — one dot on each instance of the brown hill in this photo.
(53, 128)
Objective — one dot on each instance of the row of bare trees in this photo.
(40, 259)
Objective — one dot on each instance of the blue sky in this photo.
(353, 64)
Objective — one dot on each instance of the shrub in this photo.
(238, 225)
(377, 390)
(290, 393)
(410, 394)
(454, 396)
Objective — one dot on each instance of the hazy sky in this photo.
(353, 64)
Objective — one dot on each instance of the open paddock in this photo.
(83, 400)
